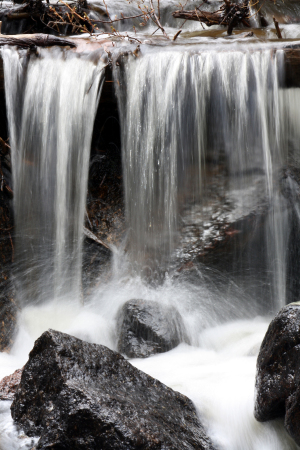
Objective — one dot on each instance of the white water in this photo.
(182, 105)
(174, 123)
(51, 103)
(217, 372)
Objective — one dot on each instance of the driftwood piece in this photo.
(34, 40)
(229, 15)
(278, 32)
(209, 18)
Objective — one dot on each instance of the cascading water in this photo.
(209, 104)
(178, 108)
(51, 104)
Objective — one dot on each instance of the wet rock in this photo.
(8, 308)
(8, 322)
(9, 384)
(290, 189)
(278, 364)
(225, 233)
(147, 327)
(6, 226)
(77, 395)
(292, 416)
(95, 259)
(278, 371)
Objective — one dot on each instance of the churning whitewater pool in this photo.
(217, 372)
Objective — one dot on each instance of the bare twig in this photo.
(95, 238)
(156, 20)
(176, 35)
(110, 21)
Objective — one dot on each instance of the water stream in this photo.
(179, 108)
(51, 103)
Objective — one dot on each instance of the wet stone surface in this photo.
(9, 384)
(77, 395)
(8, 321)
(290, 189)
(228, 210)
(8, 308)
(147, 327)
(278, 371)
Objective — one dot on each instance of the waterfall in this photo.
(182, 106)
(51, 105)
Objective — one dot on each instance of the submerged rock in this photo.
(147, 327)
(77, 395)
(9, 384)
(278, 371)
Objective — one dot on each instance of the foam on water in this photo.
(218, 374)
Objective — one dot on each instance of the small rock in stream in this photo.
(147, 327)
(278, 371)
(9, 385)
(77, 395)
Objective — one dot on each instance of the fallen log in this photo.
(209, 18)
(229, 15)
(34, 40)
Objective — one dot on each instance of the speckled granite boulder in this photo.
(9, 385)
(278, 371)
(77, 395)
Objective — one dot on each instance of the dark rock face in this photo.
(9, 384)
(278, 371)
(290, 189)
(8, 321)
(292, 416)
(77, 395)
(105, 211)
(147, 327)
(8, 308)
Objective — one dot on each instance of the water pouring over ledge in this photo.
(216, 349)
(50, 114)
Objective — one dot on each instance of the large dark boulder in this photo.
(278, 371)
(77, 395)
(148, 327)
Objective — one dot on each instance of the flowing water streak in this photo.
(178, 106)
(51, 105)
